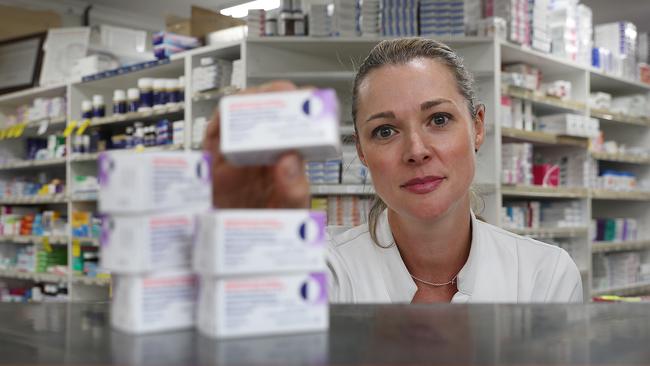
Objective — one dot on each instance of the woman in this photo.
(417, 130)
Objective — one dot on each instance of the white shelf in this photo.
(540, 100)
(543, 192)
(543, 138)
(615, 84)
(601, 194)
(621, 158)
(27, 95)
(606, 115)
(36, 277)
(568, 232)
(549, 64)
(632, 289)
(213, 95)
(341, 189)
(31, 239)
(34, 200)
(91, 281)
(84, 197)
(619, 246)
(308, 77)
(137, 116)
(27, 164)
(92, 157)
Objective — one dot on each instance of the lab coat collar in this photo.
(400, 286)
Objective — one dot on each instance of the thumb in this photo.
(291, 187)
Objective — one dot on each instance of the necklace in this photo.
(452, 281)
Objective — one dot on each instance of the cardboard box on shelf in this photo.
(201, 22)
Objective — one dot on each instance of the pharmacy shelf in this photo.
(30, 164)
(166, 112)
(34, 200)
(213, 95)
(87, 242)
(606, 115)
(328, 77)
(51, 122)
(341, 189)
(633, 289)
(549, 64)
(91, 281)
(619, 246)
(543, 138)
(602, 194)
(31, 239)
(543, 192)
(566, 232)
(36, 277)
(601, 81)
(92, 157)
(324, 42)
(539, 100)
(84, 197)
(26, 96)
(621, 158)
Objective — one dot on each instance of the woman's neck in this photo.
(434, 250)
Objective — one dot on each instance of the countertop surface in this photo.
(359, 334)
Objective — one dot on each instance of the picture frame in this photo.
(20, 62)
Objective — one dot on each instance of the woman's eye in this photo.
(383, 132)
(440, 119)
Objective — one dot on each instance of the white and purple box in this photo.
(156, 302)
(144, 182)
(257, 128)
(263, 305)
(138, 244)
(258, 241)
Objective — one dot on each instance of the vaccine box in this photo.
(155, 302)
(144, 243)
(234, 242)
(140, 182)
(264, 305)
(257, 128)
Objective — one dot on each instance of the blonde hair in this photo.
(399, 52)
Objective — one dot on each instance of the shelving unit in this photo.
(331, 62)
(608, 247)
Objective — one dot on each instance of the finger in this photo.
(290, 184)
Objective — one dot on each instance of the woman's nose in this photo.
(416, 150)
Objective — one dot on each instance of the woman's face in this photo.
(417, 137)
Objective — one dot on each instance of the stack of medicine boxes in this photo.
(263, 271)
(151, 201)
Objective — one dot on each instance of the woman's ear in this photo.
(479, 127)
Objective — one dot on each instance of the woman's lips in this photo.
(422, 185)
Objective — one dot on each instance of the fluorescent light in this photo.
(241, 10)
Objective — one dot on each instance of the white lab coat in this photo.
(502, 267)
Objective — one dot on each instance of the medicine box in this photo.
(256, 129)
(144, 243)
(264, 305)
(155, 302)
(232, 242)
(141, 182)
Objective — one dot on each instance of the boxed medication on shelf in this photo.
(145, 243)
(232, 242)
(140, 182)
(156, 302)
(280, 304)
(256, 129)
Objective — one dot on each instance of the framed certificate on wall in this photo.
(20, 62)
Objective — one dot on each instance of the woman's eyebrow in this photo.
(386, 114)
(433, 103)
